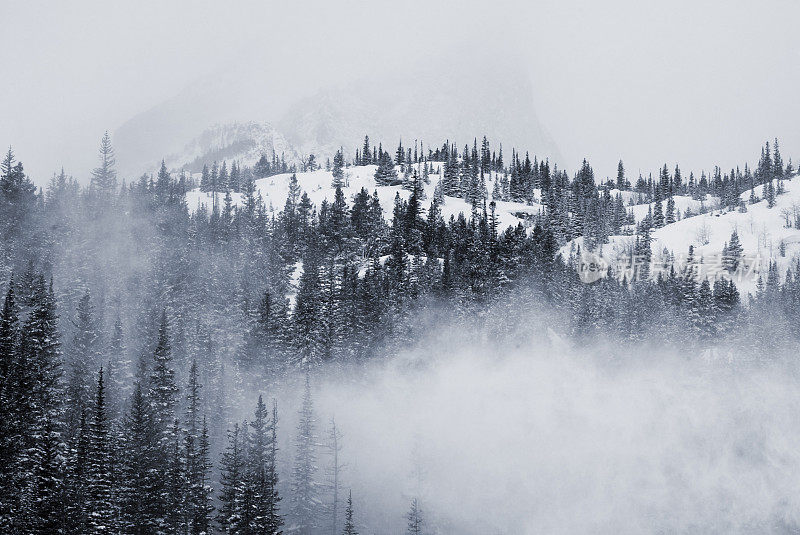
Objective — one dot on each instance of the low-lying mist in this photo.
(528, 435)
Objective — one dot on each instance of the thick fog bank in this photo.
(541, 439)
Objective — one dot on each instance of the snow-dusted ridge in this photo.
(317, 184)
(244, 142)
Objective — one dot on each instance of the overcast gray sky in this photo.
(695, 82)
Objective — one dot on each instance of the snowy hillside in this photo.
(761, 230)
(317, 184)
(633, 203)
(766, 235)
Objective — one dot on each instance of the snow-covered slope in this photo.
(317, 184)
(682, 204)
(761, 231)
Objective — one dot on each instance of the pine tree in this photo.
(261, 487)
(643, 252)
(620, 176)
(203, 508)
(334, 469)
(307, 312)
(42, 467)
(703, 312)
(400, 154)
(12, 388)
(104, 177)
(83, 355)
(311, 163)
(234, 179)
(777, 162)
(213, 180)
(658, 211)
(349, 523)
(262, 168)
(76, 480)
(139, 470)
(338, 170)
(120, 372)
(162, 397)
(223, 177)
(450, 182)
(414, 518)
(197, 462)
(304, 488)
(769, 193)
(337, 226)
(163, 183)
(386, 174)
(733, 254)
(232, 480)
(669, 216)
(765, 168)
(274, 518)
(173, 496)
(99, 506)
(17, 196)
(205, 179)
(366, 152)
(162, 390)
(412, 222)
(9, 339)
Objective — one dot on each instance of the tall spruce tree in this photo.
(13, 388)
(162, 390)
(42, 469)
(333, 447)
(261, 486)
(304, 496)
(17, 200)
(349, 521)
(733, 253)
(232, 483)
(366, 152)
(100, 507)
(386, 174)
(139, 469)
(162, 398)
(414, 519)
(83, 354)
(338, 170)
(198, 464)
(104, 176)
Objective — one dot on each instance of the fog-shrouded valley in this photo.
(352, 269)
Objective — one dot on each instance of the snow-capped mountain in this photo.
(244, 142)
(444, 98)
(436, 103)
